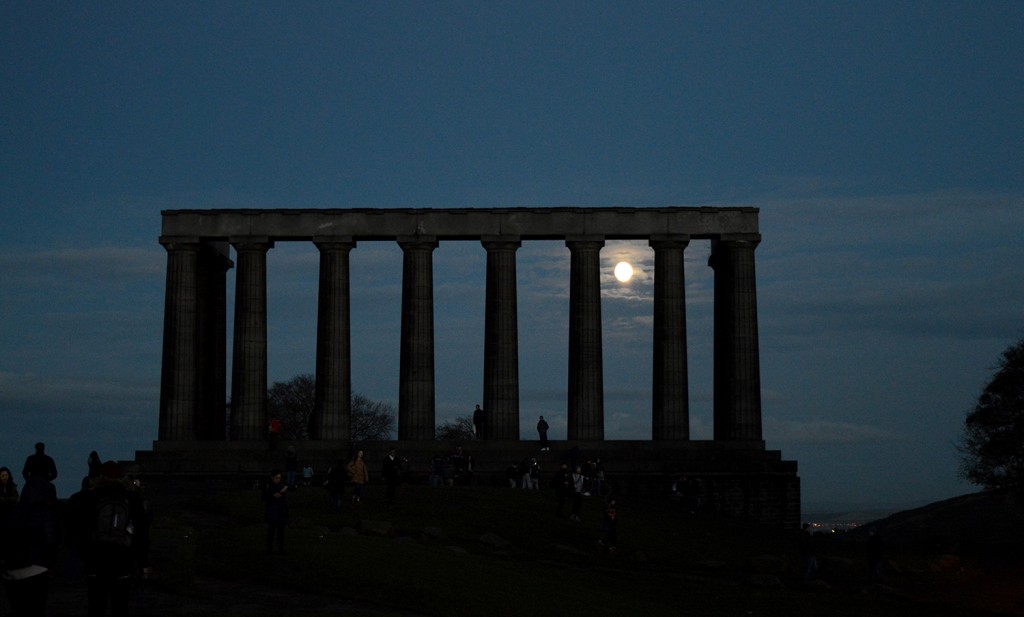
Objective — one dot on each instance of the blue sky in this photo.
(882, 142)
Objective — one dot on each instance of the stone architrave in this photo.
(416, 370)
(670, 418)
(332, 414)
(501, 341)
(249, 365)
(586, 373)
(178, 387)
(737, 381)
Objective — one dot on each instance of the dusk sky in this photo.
(882, 141)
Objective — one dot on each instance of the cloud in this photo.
(53, 391)
(905, 265)
(71, 266)
(823, 432)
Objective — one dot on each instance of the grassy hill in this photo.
(471, 551)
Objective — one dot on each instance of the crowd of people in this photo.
(585, 480)
(104, 527)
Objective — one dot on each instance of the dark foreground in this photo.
(486, 551)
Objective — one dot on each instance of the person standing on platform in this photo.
(542, 431)
(478, 422)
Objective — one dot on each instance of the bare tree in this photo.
(293, 402)
(371, 419)
(459, 428)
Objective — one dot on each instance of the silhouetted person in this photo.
(608, 527)
(562, 485)
(28, 547)
(291, 466)
(576, 480)
(95, 466)
(275, 497)
(335, 484)
(478, 422)
(8, 493)
(542, 432)
(358, 475)
(274, 429)
(111, 528)
(390, 470)
(40, 465)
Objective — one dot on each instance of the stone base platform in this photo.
(738, 479)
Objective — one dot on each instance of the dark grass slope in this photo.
(485, 551)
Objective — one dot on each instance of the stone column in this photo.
(501, 341)
(332, 415)
(416, 370)
(737, 381)
(586, 376)
(212, 371)
(249, 365)
(179, 391)
(670, 419)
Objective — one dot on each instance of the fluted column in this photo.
(212, 370)
(586, 373)
(671, 408)
(179, 391)
(332, 415)
(737, 406)
(501, 341)
(416, 370)
(249, 365)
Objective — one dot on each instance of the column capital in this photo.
(584, 242)
(498, 243)
(754, 239)
(334, 243)
(668, 241)
(417, 242)
(251, 243)
(178, 243)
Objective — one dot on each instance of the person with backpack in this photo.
(112, 531)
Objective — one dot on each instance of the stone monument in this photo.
(739, 475)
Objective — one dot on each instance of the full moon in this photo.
(623, 271)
